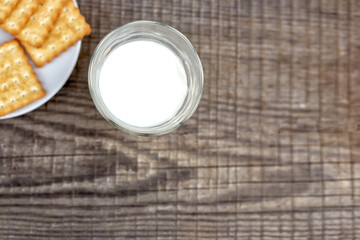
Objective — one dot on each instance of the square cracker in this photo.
(6, 7)
(69, 28)
(41, 23)
(18, 83)
(20, 16)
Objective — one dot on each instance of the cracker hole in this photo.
(26, 75)
(79, 28)
(52, 47)
(4, 86)
(12, 100)
(34, 89)
(15, 81)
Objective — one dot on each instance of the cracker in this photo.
(18, 83)
(20, 15)
(70, 28)
(41, 23)
(6, 7)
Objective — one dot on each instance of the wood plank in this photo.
(271, 153)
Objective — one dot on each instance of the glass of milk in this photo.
(146, 78)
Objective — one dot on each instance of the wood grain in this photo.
(272, 152)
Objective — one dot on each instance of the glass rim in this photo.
(158, 130)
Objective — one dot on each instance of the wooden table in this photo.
(272, 152)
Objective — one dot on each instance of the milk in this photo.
(143, 83)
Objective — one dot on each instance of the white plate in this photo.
(52, 76)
